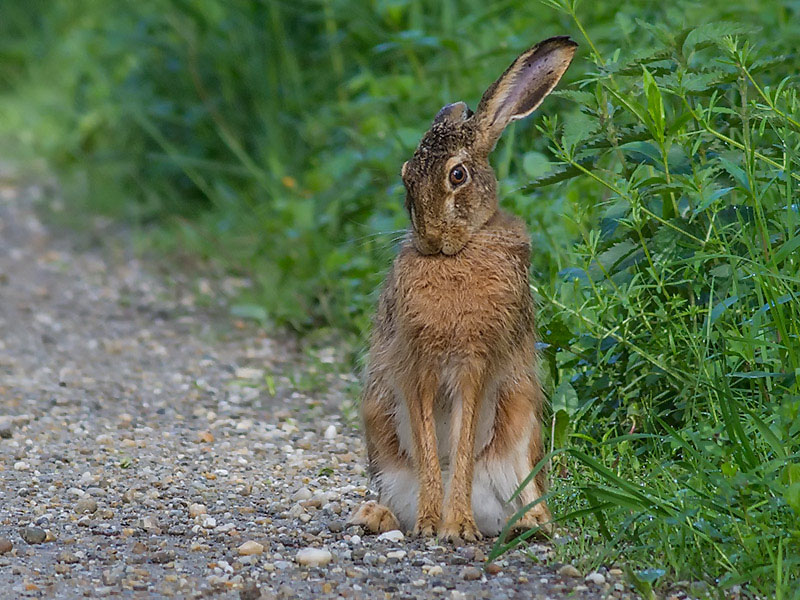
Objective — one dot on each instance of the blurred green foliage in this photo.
(660, 186)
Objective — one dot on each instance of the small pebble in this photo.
(209, 522)
(336, 527)
(197, 510)
(493, 569)
(249, 548)
(394, 536)
(470, 573)
(569, 571)
(161, 558)
(302, 494)
(33, 535)
(86, 504)
(595, 578)
(313, 557)
(330, 432)
(67, 557)
(5, 545)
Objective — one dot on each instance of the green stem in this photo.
(735, 144)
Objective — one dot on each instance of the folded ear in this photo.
(520, 90)
(453, 114)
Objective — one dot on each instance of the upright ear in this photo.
(520, 90)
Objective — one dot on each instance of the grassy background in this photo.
(660, 187)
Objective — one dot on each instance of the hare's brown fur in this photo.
(451, 385)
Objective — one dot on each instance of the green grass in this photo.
(264, 138)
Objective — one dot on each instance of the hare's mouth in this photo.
(446, 245)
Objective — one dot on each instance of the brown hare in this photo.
(451, 391)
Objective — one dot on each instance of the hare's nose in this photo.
(452, 246)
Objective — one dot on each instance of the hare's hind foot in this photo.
(461, 530)
(538, 517)
(426, 526)
(374, 517)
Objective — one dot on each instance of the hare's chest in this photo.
(446, 302)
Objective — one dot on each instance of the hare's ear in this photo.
(453, 114)
(521, 89)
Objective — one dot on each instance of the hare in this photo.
(451, 391)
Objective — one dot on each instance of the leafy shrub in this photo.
(674, 335)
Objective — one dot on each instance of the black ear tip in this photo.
(563, 41)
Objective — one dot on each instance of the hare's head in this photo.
(450, 186)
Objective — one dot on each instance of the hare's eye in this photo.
(458, 175)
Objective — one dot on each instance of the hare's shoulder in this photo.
(508, 234)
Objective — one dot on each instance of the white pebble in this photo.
(302, 494)
(209, 522)
(396, 554)
(596, 578)
(197, 509)
(394, 536)
(313, 557)
(330, 432)
(21, 466)
(225, 566)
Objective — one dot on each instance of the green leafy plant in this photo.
(685, 296)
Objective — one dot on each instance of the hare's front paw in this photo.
(460, 529)
(374, 517)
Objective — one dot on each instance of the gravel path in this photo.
(151, 447)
